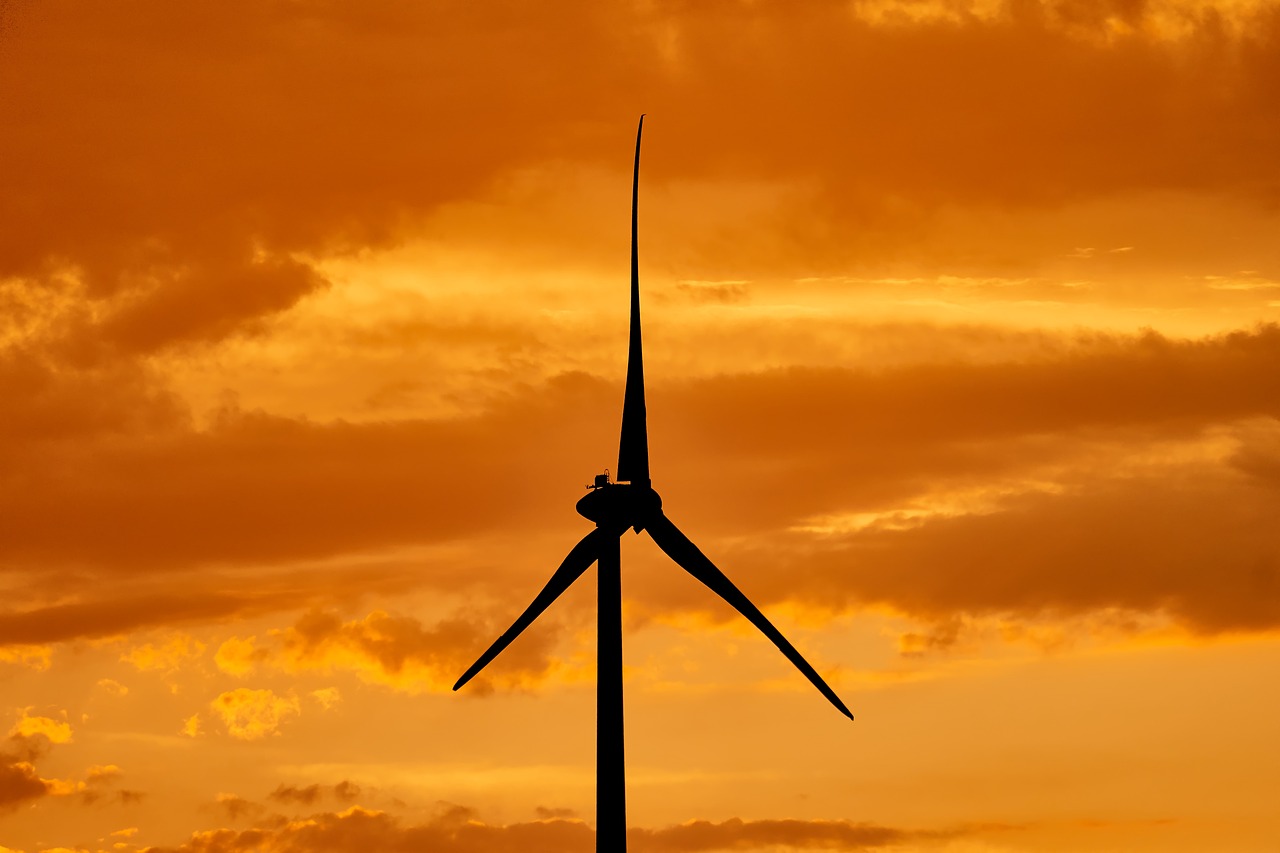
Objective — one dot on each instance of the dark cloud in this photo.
(99, 618)
(306, 795)
(257, 487)
(209, 596)
(193, 154)
(545, 813)
(19, 783)
(1198, 549)
(262, 487)
(776, 448)
(359, 830)
(1259, 458)
(738, 834)
(208, 304)
(760, 451)
(457, 829)
(346, 791)
(233, 807)
(98, 782)
(186, 160)
(49, 401)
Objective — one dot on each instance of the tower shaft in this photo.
(611, 779)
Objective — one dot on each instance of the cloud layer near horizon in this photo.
(458, 829)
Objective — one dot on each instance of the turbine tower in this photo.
(615, 506)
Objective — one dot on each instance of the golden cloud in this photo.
(253, 714)
(396, 651)
(168, 656)
(35, 657)
(113, 687)
(57, 731)
(238, 656)
(328, 697)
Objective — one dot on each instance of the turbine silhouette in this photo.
(615, 506)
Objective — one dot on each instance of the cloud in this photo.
(191, 726)
(764, 451)
(51, 399)
(112, 615)
(737, 834)
(97, 779)
(308, 795)
(113, 687)
(1185, 540)
(1195, 551)
(102, 773)
(227, 152)
(56, 731)
(235, 807)
(167, 657)
(206, 304)
(237, 656)
(253, 714)
(123, 611)
(458, 829)
(304, 796)
(1130, 478)
(328, 697)
(19, 783)
(545, 813)
(257, 487)
(401, 652)
(38, 658)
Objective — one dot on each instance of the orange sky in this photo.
(962, 322)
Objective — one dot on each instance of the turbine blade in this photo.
(577, 562)
(678, 547)
(633, 447)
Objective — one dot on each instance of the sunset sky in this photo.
(962, 326)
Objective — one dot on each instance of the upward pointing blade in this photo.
(578, 561)
(678, 547)
(633, 449)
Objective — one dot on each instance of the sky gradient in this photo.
(962, 326)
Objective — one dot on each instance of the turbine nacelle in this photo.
(619, 505)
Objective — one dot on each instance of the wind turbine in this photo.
(615, 506)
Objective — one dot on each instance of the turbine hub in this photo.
(619, 504)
